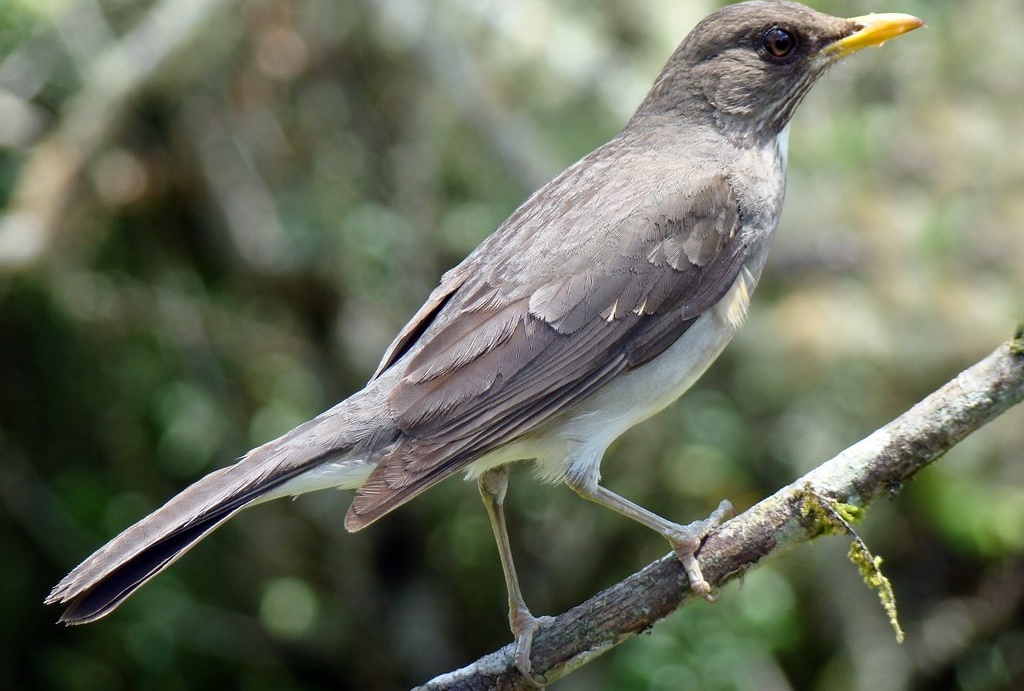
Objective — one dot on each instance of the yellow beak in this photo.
(871, 30)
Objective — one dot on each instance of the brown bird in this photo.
(592, 307)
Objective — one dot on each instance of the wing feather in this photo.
(505, 350)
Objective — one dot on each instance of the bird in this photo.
(595, 305)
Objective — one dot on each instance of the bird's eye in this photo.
(778, 43)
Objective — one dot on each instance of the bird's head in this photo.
(748, 66)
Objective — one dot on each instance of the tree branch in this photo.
(878, 465)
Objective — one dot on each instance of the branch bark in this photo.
(877, 465)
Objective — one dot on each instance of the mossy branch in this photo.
(836, 518)
(877, 465)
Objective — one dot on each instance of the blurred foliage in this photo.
(210, 236)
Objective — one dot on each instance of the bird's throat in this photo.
(782, 140)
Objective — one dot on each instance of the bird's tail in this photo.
(332, 449)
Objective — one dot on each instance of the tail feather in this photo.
(104, 580)
(90, 602)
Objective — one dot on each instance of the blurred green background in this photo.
(215, 215)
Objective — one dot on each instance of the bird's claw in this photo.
(524, 627)
(687, 540)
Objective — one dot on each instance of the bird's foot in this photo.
(687, 539)
(524, 626)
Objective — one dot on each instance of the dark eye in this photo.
(777, 42)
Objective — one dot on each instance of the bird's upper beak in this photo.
(871, 30)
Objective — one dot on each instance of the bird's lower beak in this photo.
(871, 30)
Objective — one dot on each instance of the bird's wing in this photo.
(505, 344)
(436, 301)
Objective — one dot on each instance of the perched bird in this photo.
(597, 303)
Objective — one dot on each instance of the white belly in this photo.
(575, 441)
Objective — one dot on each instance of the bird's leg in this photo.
(685, 539)
(493, 485)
